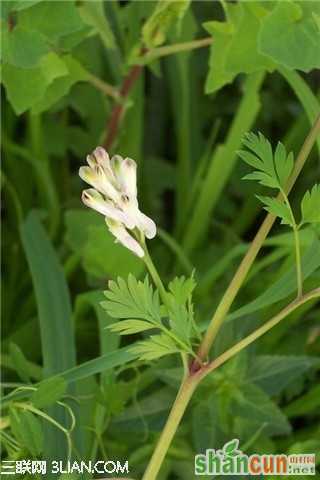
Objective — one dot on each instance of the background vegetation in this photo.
(77, 74)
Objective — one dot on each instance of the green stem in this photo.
(154, 275)
(297, 244)
(171, 49)
(191, 382)
(298, 261)
(260, 331)
(104, 87)
(244, 267)
(181, 402)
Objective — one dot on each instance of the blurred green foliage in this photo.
(66, 67)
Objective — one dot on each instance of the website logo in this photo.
(232, 461)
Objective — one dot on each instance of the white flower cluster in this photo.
(114, 195)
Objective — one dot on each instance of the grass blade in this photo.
(223, 161)
(55, 317)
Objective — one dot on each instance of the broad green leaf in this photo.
(102, 256)
(273, 373)
(27, 429)
(283, 287)
(61, 86)
(207, 428)
(52, 19)
(310, 205)
(165, 14)
(290, 35)
(278, 208)
(49, 392)
(23, 48)
(17, 5)
(155, 347)
(234, 47)
(252, 403)
(26, 86)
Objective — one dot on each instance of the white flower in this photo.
(114, 195)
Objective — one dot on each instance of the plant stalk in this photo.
(260, 331)
(154, 274)
(156, 53)
(245, 265)
(181, 402)
(298, 262)
(191, 382)
(297, 245)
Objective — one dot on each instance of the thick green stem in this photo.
(191, 382)
(249, 258)
(184, 395)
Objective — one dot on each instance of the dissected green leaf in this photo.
(310, 205)
(273, 169)
(166, 14)
(181, 289)
(290, 35)
(133, 299)
(155, 347)
(129, 327)
(49, 392)
(278, 208)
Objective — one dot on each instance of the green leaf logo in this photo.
(230, 449)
